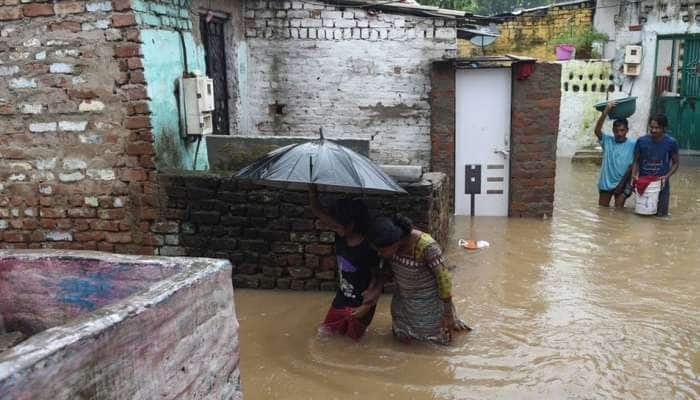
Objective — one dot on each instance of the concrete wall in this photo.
(76, 161)
(651, 18)
(535, 121)
(584, 84)
(528, 33)
(228, 154)
(177, 338)
(269, 235)
(357, 75)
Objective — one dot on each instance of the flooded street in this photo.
(592, 303)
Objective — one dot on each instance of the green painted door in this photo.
(677, 92)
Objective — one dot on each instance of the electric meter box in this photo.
(633, 54)
(631, 69)
(196, 105)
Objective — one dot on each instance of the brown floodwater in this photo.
(593, 303)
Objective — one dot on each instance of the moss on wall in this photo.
(528, 33)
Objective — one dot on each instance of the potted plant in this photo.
(580, 40)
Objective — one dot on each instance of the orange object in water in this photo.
(473, 244)
(468, 244)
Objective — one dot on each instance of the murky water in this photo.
(593, 303)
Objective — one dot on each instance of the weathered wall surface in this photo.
(442, 123)
(359, 75)
(176, 339)
(584, 84)
(228, 154)
(161, 23)
(640, 23)
(535, 121)
(528, 33)
(76, 160)
(270, 236)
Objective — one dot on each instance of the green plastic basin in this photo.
(624, 108)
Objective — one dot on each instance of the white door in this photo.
(482, 143)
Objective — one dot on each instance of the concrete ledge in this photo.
(231, 153)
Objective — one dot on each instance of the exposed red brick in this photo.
(138, 107)
(89, 236)
(137, 122)
(10, 13)
(133, 35)
(137, 77)
(81, 94)
(135, 63)
(121, 5)
(101, 225)
(69, 26)
(103, 246)
(123, 20)
(113, 237)
(14, 237)
(147, 162)
(117, 213)
(82, 212)
(133, 175)
(37, 10)
(68, 7)
(137, 93)
(127, 50)
(138, 149)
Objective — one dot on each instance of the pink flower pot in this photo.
(565, 52)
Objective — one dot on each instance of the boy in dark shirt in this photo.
(358, 265)
(656, 155)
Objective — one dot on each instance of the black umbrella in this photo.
(332, 167)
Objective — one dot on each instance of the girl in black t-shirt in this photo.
(352, 309)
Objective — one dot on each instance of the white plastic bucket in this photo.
(647, 203)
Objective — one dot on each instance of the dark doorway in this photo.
(215, 57)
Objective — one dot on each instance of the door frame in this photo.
(510, 131)
(675, 36)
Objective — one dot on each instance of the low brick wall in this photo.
(271, 236)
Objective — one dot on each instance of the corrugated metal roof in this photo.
(405, 7)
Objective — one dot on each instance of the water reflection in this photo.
(593, 303)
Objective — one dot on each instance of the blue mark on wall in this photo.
(84, 291)
(163, 64)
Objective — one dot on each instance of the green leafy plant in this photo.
(582, 38)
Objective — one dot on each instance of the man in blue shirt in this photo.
(656, 154)
(618, 155)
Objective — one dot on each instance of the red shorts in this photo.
(340, 321)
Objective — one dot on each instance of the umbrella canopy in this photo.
(332, 167)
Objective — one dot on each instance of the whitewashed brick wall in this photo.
(357, 73)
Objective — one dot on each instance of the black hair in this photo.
(387, 231)
(621, 121)
(660, 119)
(352, 211)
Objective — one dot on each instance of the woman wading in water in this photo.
(421, 308)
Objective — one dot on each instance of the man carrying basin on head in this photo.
(618, 156)
(656, 159)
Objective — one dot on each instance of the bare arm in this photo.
(599, 124)
(675, 162)
(635, 166)
(321, 213)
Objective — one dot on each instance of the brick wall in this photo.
(528, 33)
(270, 236)
(76, 166)
(358, 73)
(442, 122)
(534, 127)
